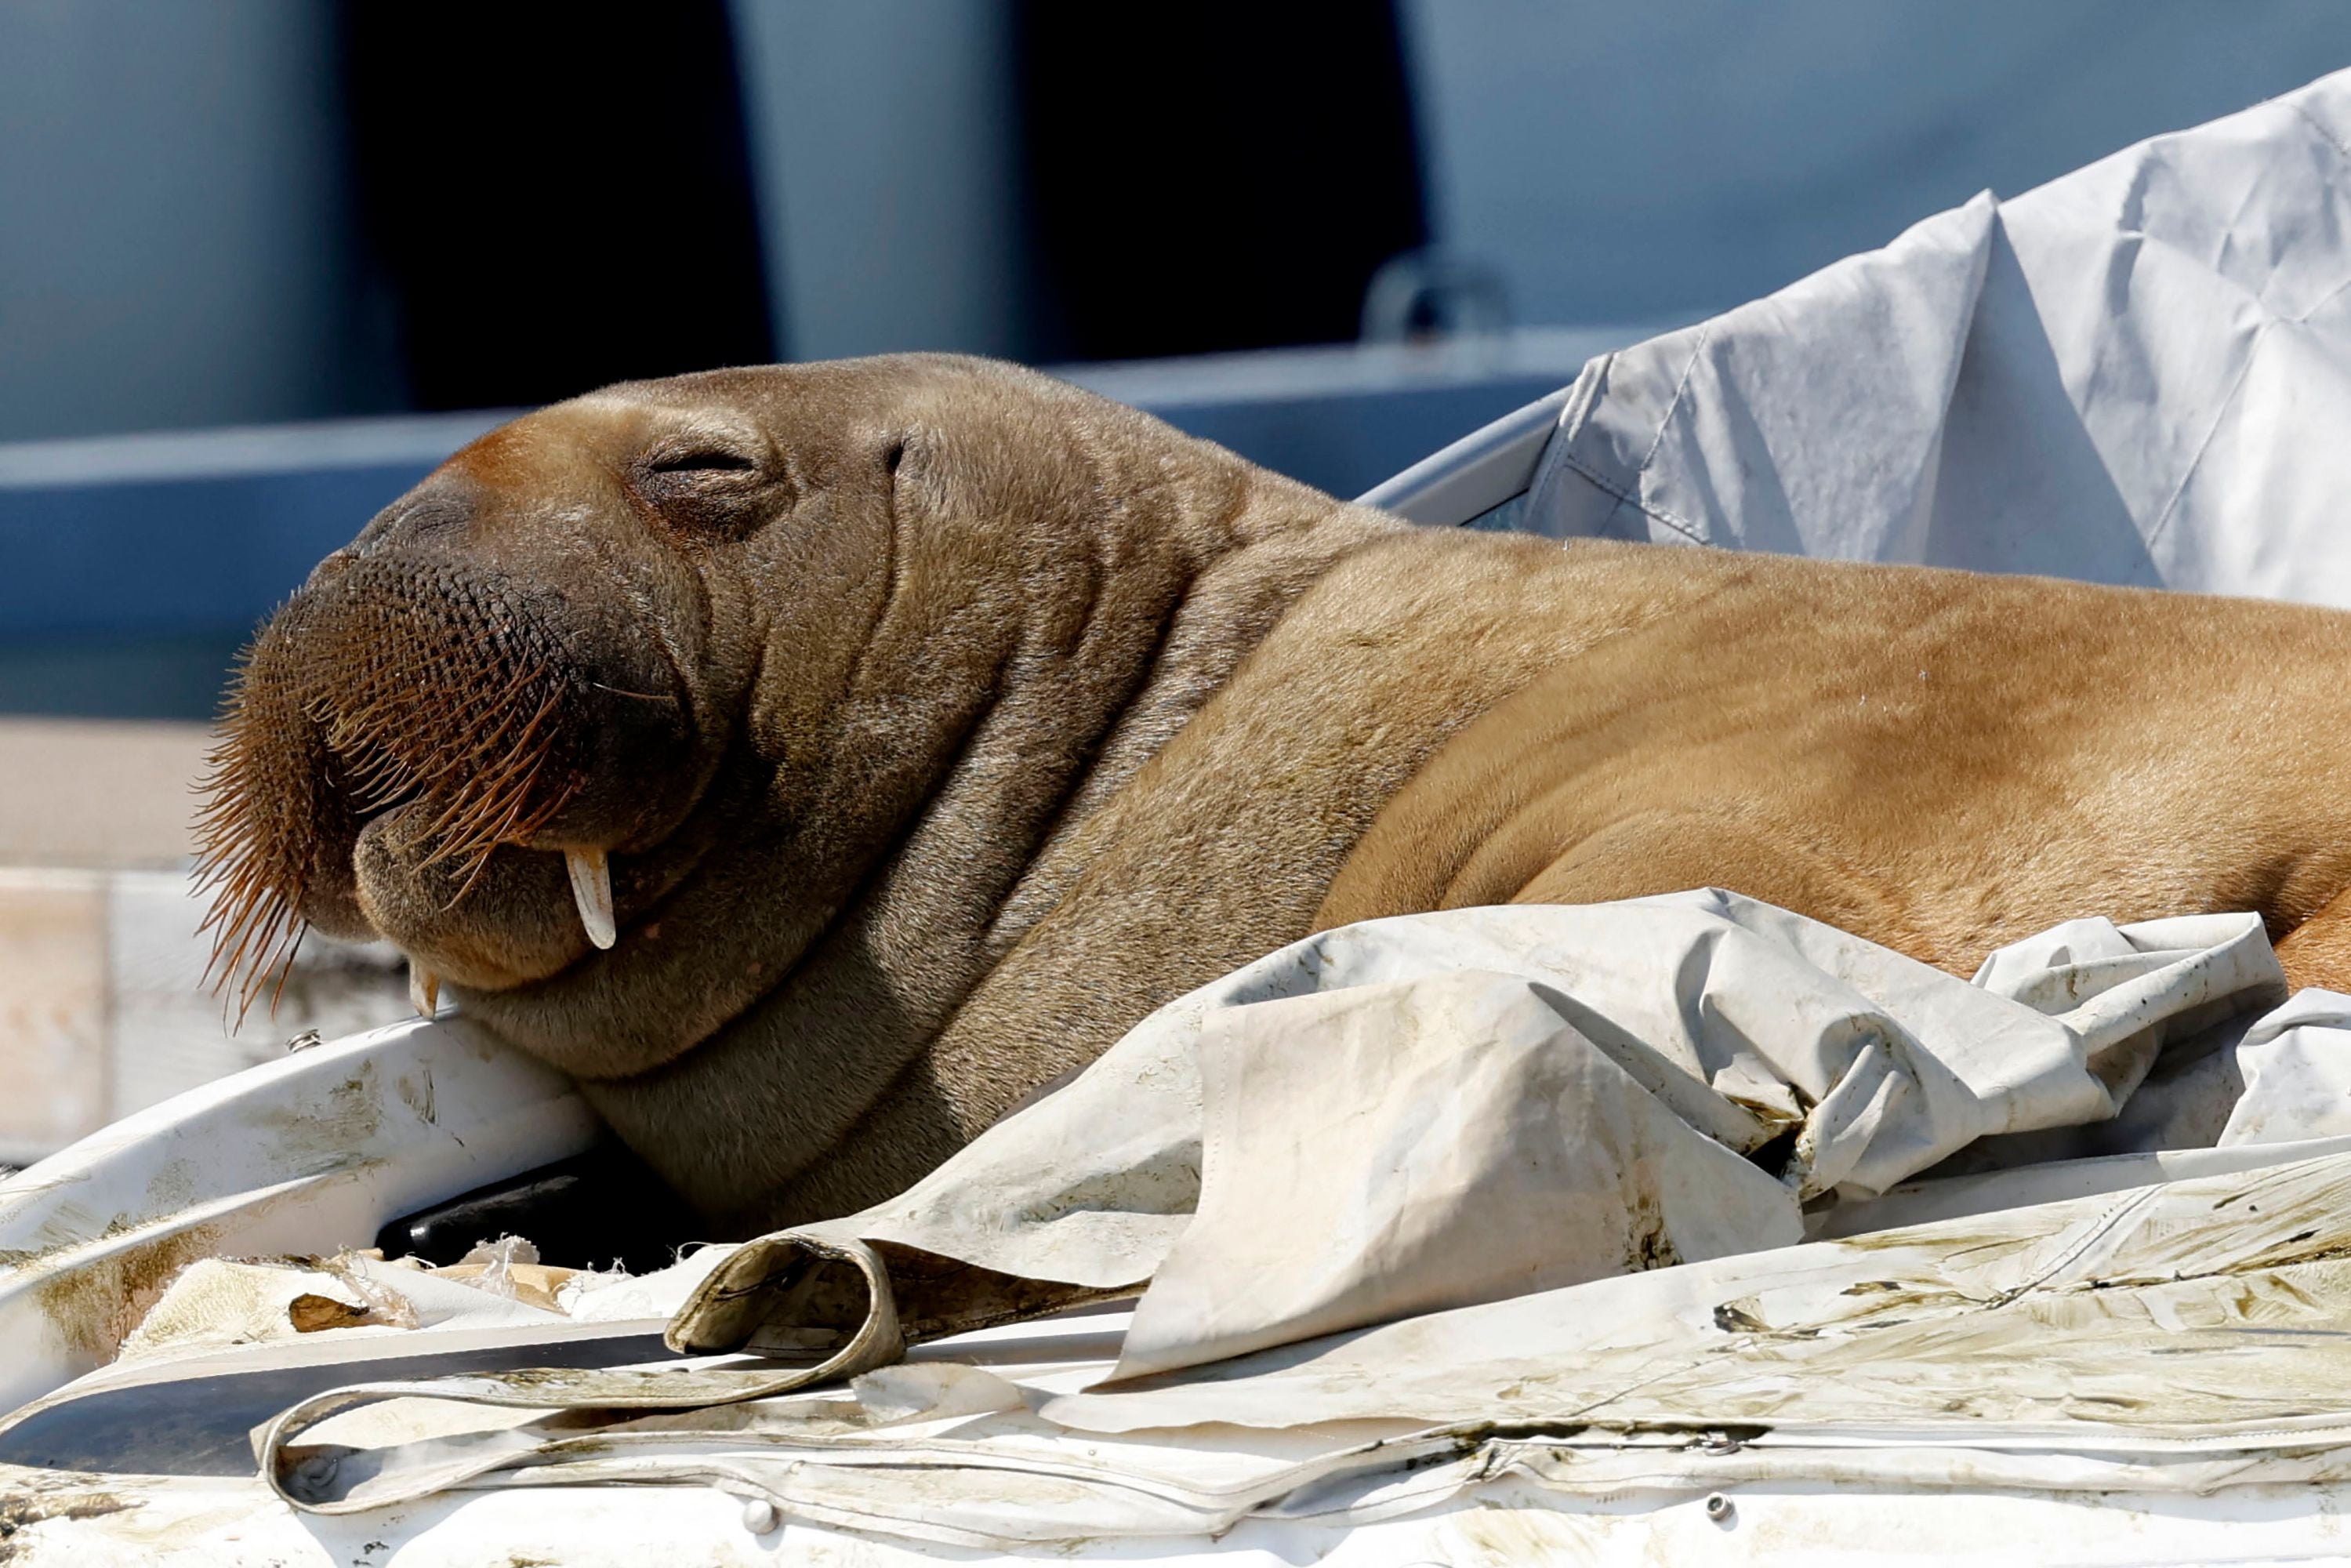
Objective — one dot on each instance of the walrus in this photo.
(816, 760)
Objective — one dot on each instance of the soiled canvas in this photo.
(1441, 1109)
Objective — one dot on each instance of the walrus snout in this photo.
(425, 747)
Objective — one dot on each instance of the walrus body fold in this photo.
(926, 723)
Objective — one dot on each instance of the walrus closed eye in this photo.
(815, 759)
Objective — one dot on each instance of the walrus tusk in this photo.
(591, 889)
(423, 990)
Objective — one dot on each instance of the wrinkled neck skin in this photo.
(846, 888)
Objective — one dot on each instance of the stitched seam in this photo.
(1627, 497)
(2103, 1226)
(1608, 523)
(2220, 415)
(1690, 367)
(2320, 303)
(2324, 134)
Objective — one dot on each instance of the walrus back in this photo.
(1940, 760)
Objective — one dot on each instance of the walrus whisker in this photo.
(640, 696)
(395, 730)
(257, 875)
(285, 971)
(465, 825)
(482, 794)
(506, 828)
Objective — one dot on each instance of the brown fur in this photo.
(943, 720)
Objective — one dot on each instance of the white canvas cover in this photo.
(2163, 1342)
(1420, 1112)
(1451, 1119)
(2137, 373)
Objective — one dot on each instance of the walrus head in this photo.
(636, 704)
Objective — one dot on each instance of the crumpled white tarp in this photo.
(2136, 373)
(2295, 1068)
(1400, 1120)
(1410, 1114)
(2165, 1341)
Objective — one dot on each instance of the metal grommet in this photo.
(1718, 1507)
